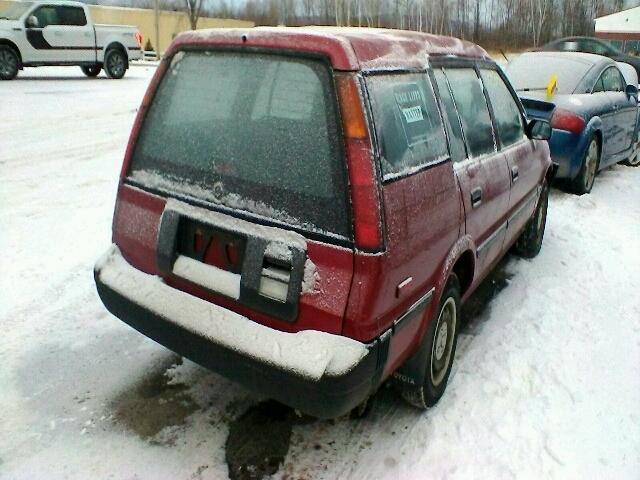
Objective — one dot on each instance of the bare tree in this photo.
(193, 11)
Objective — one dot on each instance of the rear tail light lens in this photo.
(139, 39)
(568, 121)
(365, 197)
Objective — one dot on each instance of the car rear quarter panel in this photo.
(423, 221)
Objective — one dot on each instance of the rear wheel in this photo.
(9, 63)
(529, 243)
(115, 63)
(583, 183)
(435, 356)
(91, 71)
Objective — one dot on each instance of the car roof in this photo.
(67, 3)
(586, 58)
(349, 48)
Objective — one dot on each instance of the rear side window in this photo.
(408, 122)
(72, 16)
(611, 80)
(251, 132)
(472, 107)
(456, 139)
(505, 109)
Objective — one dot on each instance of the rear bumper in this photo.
(318, 373)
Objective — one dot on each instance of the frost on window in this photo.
(253, 132)
(408, 123)
(472, 107)
(505, 109)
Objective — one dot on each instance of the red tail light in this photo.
(139, 39)
(566, 120)
(365, 197)
(142, 111)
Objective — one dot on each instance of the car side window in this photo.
(611, 80)
(509, 122)
(408, 124)
(454, 129)
(47, 15)
(472, 106)
(599, 87)
(72, 16)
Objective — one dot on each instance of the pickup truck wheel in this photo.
(434, 357)
(529, 243)
(583, 183)
(92, 71)
(9, 63)
(115, 63)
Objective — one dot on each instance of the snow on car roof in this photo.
(586, 58)
(349, 48)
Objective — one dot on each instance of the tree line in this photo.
(508, 24)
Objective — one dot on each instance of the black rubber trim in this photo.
(329, 397)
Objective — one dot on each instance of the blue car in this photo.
(595, 119)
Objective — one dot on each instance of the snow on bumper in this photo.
(309, 354)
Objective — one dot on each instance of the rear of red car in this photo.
(247, 194)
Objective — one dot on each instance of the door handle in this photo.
(476, 197)
(57, 34)
(515, 173)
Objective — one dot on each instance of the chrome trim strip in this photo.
(422, 301)
(490, 239)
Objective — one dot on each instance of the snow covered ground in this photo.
(546, 381)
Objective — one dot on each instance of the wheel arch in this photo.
(115, 45)
(9, 43)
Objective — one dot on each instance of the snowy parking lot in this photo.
(545, 384)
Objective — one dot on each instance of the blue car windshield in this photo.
(533, 71)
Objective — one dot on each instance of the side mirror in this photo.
(631, 91)
(538, 130)
(32, 22)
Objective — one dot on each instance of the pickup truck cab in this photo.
(43, 33)
(311, 230)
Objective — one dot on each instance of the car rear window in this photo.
(250, 132)
(408, 122)
(532, 72)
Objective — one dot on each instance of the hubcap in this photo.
(116, 64)
(443, 342)
(8, 63)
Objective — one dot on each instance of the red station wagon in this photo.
(303, 210)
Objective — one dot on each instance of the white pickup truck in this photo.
(39, 33)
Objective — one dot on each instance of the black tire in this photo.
(529, 243)
(9, 63)
(115, 63)
(431, 364)
(91, 71)
(583, 183)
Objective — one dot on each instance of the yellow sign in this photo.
(552, 86)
